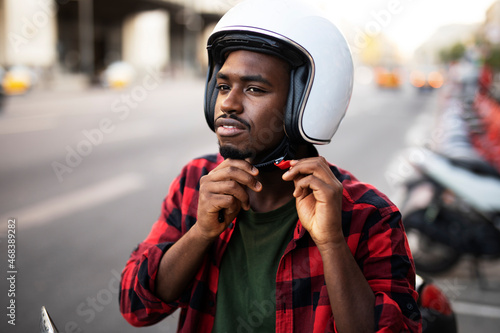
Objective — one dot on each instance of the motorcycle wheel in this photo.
(430, 256)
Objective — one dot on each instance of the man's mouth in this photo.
(229, 127)
(228, 130)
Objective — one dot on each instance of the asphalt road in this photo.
(84, 173)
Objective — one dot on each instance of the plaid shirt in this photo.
(373, 231)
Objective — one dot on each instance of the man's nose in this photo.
(232, 102)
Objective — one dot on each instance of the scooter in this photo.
(46, 323)
(435, 308)
(451, 198)
(451, 209)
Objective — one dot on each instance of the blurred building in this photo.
(467, 34)
(444, 37)
(491, 27)
(381, 51)
(82, 37)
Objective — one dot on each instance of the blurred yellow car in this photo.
(17, 80)
(118, 75)
(426, 79)
(387, 78)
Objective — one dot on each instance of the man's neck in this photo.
(275, 191)
(274, 194)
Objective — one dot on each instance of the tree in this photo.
(453, 53)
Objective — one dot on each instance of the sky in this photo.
(407, 22)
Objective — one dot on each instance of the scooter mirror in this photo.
(46, 323)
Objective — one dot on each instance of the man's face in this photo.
(253, 89)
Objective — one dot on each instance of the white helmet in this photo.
(322, 69)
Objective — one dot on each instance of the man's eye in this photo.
(222, 87)
(255, 90)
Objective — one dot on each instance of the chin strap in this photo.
(282, 163)
(280, 157)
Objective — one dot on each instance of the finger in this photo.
(240, 164)
(234, 173)
(311, 184)
(310, 166)
(209, 189)
(302, 188)
(234, 189)
(229, 205)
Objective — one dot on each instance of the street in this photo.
(84, 173)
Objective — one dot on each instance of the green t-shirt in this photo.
(246, 299)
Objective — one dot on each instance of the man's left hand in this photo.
(318, 195)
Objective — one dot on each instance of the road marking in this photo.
(46, 211)
(474, 309)
(421, 131)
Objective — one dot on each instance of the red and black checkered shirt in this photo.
(373, 231)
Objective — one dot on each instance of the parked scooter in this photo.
(451, 203)
(451, 210)
(435, 308)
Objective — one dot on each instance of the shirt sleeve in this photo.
(388, 266)
(138, 303)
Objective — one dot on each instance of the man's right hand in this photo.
(225, 188)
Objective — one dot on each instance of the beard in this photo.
(233, 153)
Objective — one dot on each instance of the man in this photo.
(267, 236)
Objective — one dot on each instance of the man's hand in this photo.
(319, 204)
(225, 188)
(319, 199)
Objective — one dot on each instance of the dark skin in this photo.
(253, 87)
